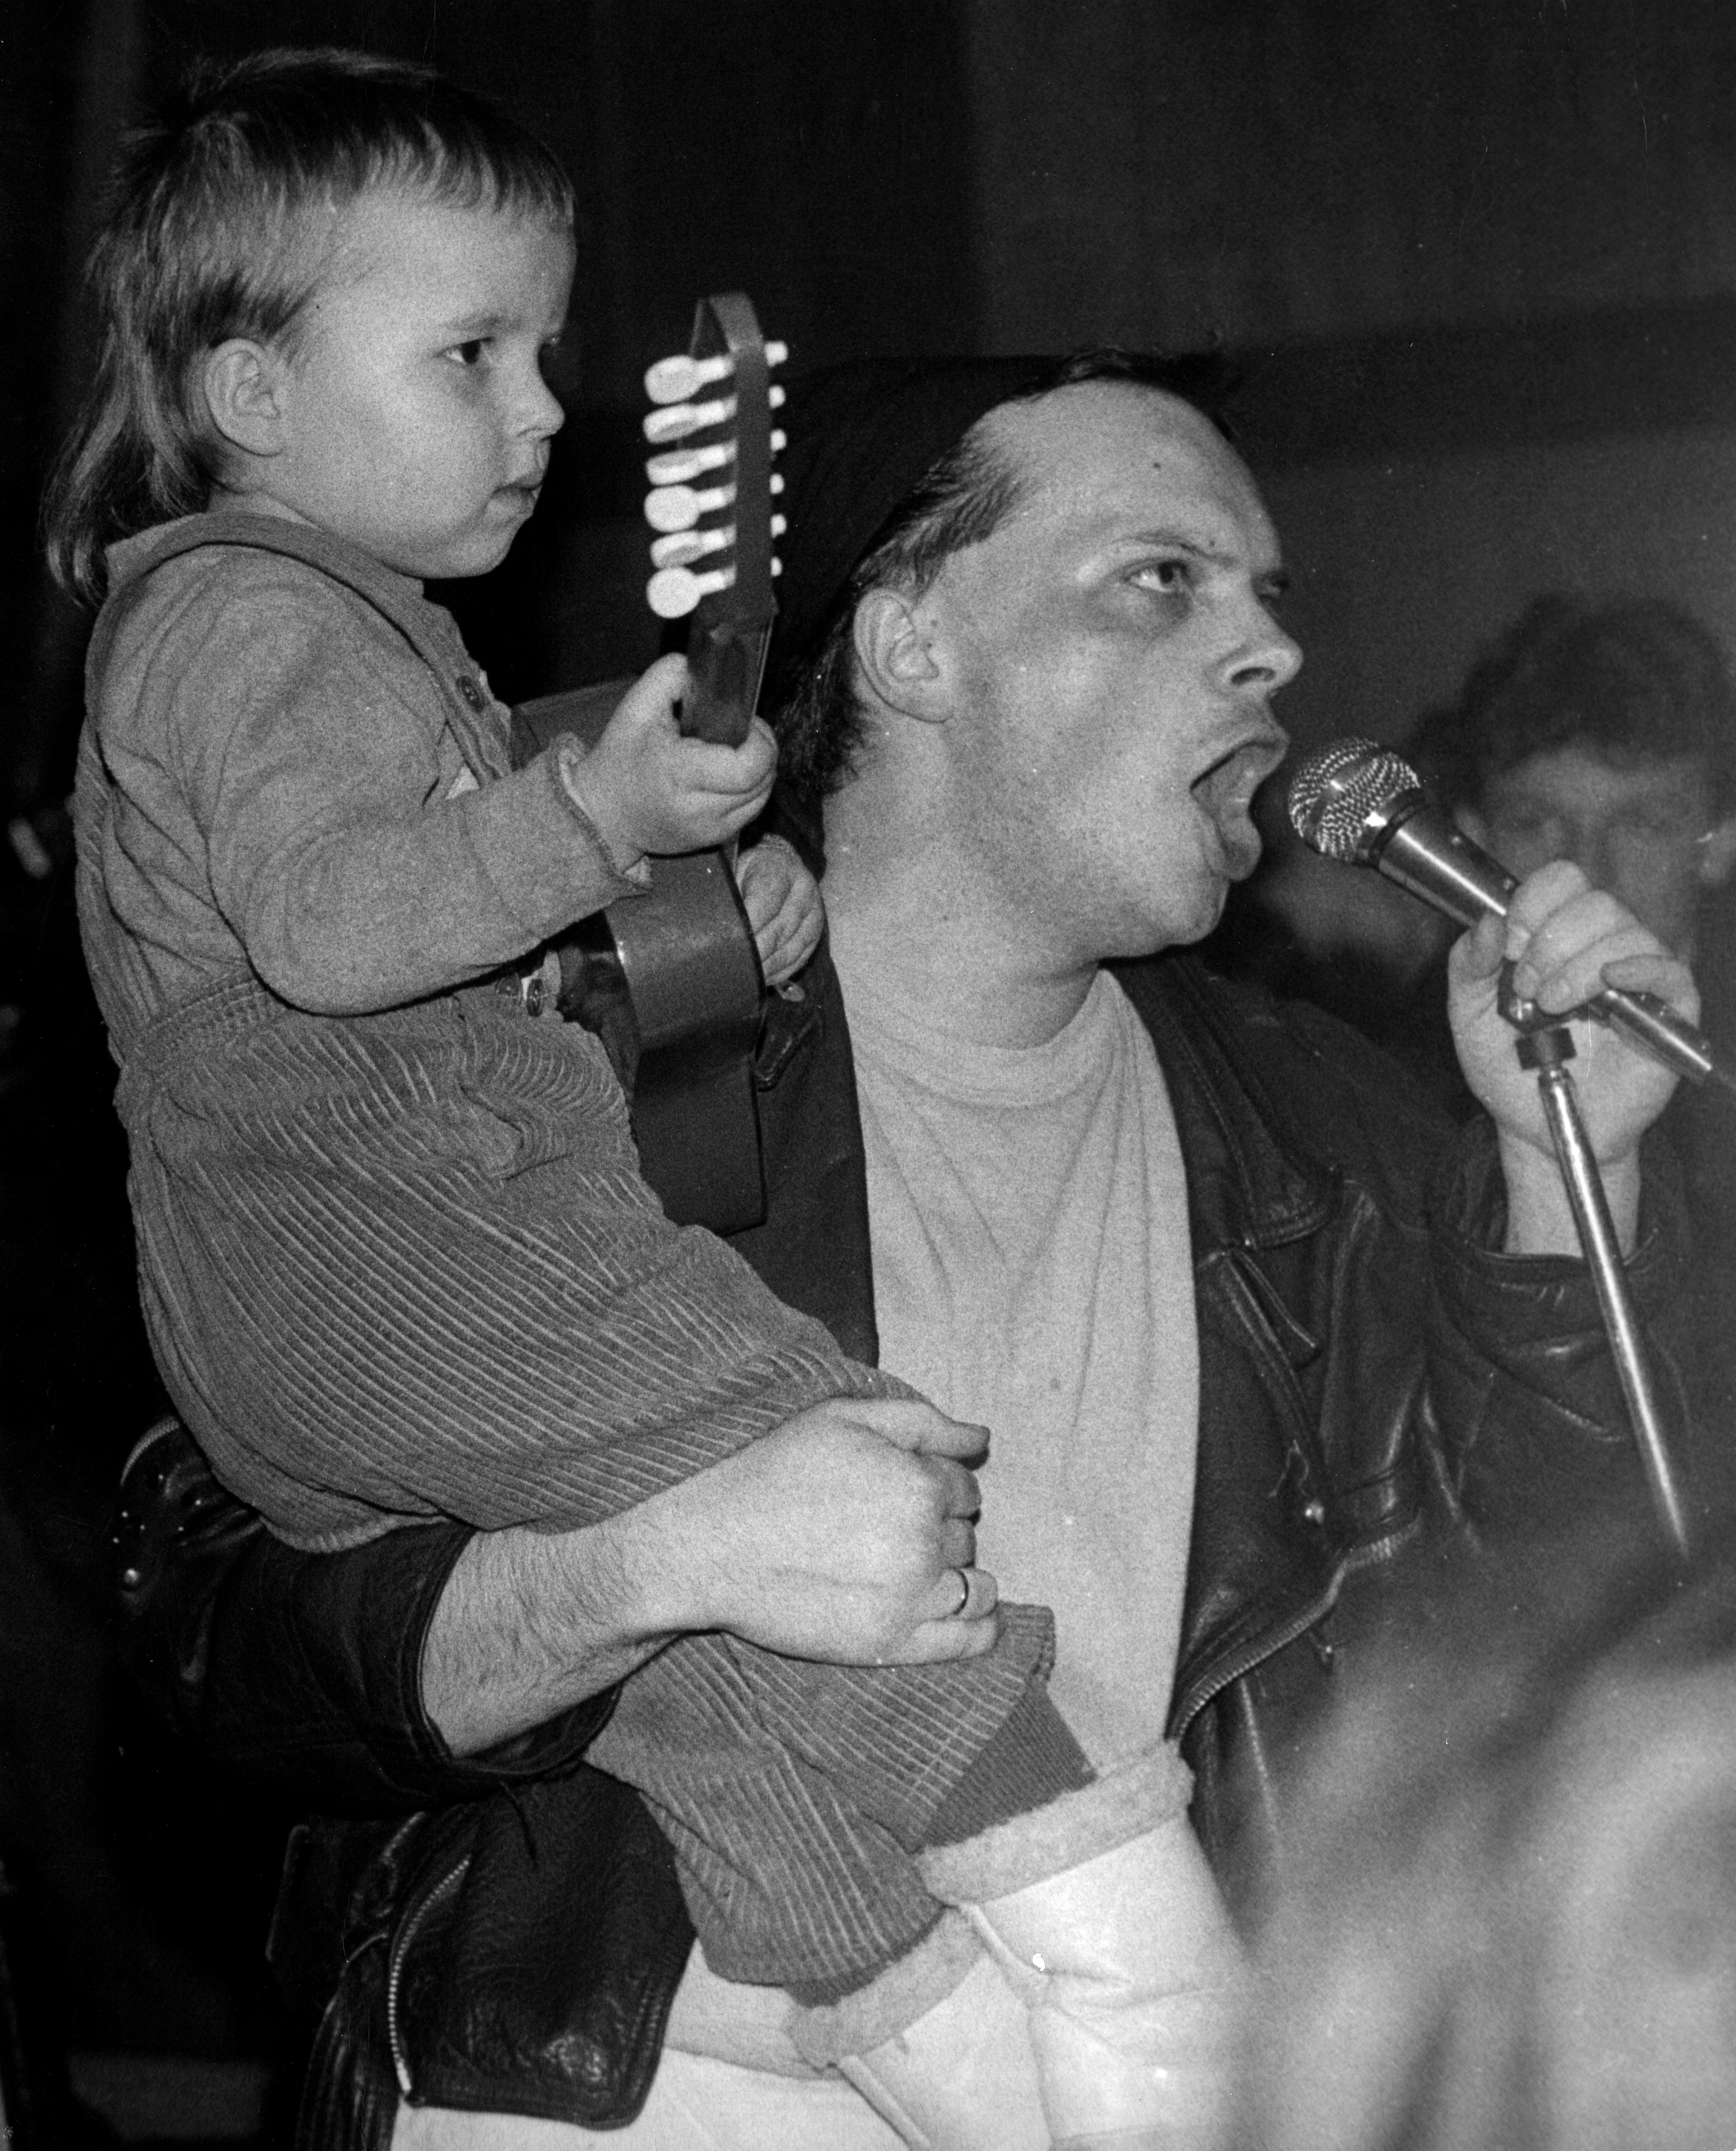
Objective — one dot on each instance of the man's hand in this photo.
(838, 1537)
(834, 1538)
(1567, 940)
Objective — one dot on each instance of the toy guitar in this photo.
(671, 979)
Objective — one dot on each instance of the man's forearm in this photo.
(839, 1538)
(529, 1624)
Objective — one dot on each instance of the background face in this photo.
(1641, 830)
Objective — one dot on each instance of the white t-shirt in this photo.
(1032, 1270)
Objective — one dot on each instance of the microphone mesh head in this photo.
(1343, 795)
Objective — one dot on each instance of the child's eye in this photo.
(471, 353)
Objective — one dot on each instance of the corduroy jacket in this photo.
(504, 1933)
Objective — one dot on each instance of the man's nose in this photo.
(1268, 661)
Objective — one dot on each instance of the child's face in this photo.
(416, 419)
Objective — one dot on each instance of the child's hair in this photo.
(220, 227)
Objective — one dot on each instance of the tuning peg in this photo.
(776, 482)
(777, 352)
(673, 592)
(678, 506)
(780, 441)
(681, 466)
(678, 420)
(780, 523)
(680, 548)
(776, 398)
(674, 380)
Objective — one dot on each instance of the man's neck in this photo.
(906, 913)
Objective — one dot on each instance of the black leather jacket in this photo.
(505, 1932)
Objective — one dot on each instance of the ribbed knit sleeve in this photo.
(282, 787)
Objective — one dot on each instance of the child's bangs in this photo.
(462, 157)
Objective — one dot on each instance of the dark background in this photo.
(1478, 262)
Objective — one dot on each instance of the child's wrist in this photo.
(594, 809)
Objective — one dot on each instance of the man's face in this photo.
(1107, 656)
(419, 418)
(1645, 830)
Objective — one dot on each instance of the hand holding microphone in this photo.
(1357, 802)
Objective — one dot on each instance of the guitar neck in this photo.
(724, 663)
(731, 624)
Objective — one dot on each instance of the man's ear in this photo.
(1718, 854)
(895, 655)
(245, 385)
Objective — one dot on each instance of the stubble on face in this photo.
(1110, 658)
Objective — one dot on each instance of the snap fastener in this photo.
(1315, 1512)
(471, 692)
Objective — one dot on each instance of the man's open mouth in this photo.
(1232, 781)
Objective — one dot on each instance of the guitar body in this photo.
(670, 982)
(692, 974)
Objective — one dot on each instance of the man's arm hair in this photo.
(433, 1663)
(839, 1537)
(529, 1624)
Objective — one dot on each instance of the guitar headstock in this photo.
(712, 488)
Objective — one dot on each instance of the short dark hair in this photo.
(960, 500)
(219, 227)
(1634, 679)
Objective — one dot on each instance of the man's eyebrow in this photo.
(1269, 582)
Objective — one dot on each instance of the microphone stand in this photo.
(1546, 1045)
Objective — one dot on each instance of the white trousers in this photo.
(696, 2104)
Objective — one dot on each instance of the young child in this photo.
(397, 1258)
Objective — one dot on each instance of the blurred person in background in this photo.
(1515, 1920)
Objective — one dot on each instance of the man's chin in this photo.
(1179, 928)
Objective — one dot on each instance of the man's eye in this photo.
(468, 354)
(1171, 577)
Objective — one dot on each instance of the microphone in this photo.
(1357, 802)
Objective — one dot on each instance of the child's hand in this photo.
(648, 789)
(783, 901)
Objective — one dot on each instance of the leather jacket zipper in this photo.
(1256, 1326)
(414, 1915)
(1268, 1646)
